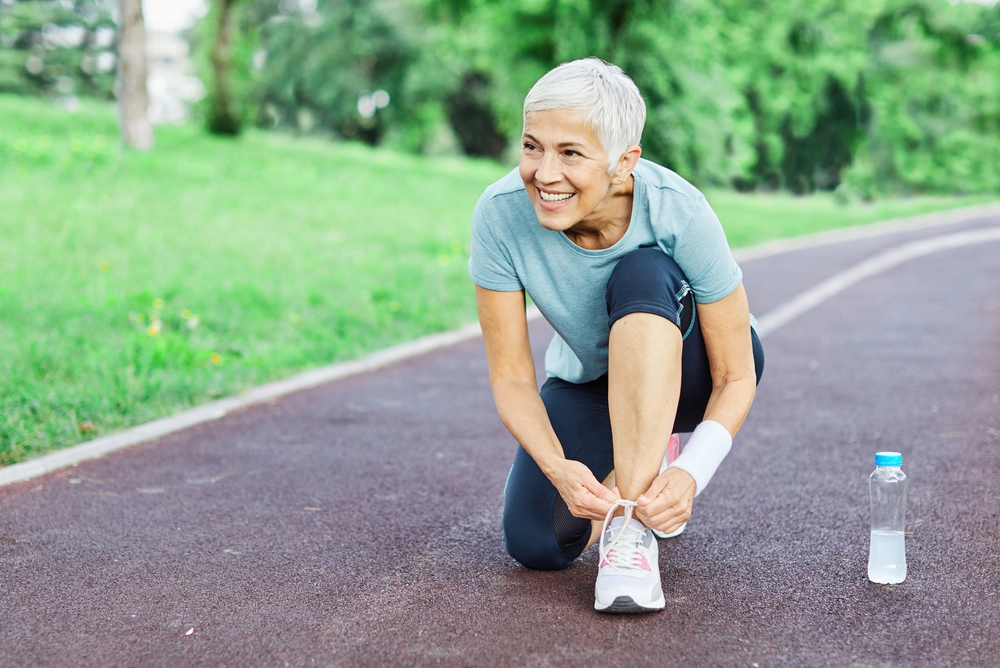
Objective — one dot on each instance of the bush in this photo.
(880, 95)
(57, 48)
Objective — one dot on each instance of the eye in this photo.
(528, 146)
(571, 154)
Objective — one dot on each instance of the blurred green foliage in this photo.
(875, 94)
(50, 47)
(865, 96)
(306, 65)
(862, 96)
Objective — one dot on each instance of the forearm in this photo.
(712, 440)
(521, 410)
(730, 402)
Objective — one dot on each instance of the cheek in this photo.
(524, 170)
(588, 193)
(527, 172)
(595, 186)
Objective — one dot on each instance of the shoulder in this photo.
(510, 187)
(504, 204)
(667, 190)
(670, 200)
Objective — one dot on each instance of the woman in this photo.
(631, 267)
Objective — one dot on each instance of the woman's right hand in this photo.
(584, 495)
(513, 380)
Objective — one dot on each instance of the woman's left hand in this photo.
(666, 505)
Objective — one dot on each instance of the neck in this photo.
(608, 222)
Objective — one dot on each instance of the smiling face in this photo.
(565, 170)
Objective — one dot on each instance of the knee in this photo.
(532, 546)
(647, 280)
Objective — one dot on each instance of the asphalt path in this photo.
(358, 523)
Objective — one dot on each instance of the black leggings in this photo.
(539, 530)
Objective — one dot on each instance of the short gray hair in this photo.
(608, 99)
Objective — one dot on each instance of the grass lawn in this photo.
(134, 287)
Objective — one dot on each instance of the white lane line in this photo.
(836, 284)
(158, 428)
(839, 235)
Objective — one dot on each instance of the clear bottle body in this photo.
(887, 556)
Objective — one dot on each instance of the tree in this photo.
(223, 116)
(335, 66)
(137, 131)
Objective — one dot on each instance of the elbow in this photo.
(500, 382)
(507, 389)
(742, 384)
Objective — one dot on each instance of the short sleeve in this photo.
(490, 265)
(703, 254)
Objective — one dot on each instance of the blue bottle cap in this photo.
(888, 459)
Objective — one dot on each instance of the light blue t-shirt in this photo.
(512, 251)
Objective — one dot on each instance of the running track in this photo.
(358, 523)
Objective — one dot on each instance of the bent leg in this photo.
(661, 379)
(644, 382)
(647, 295)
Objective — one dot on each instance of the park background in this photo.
(307, 195)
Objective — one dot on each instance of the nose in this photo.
(549, 169)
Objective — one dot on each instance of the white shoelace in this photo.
(607, 549)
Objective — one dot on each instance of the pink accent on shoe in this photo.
(643, 562)
(673, 448)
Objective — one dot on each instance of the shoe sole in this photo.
(625, 605)
(674, 534)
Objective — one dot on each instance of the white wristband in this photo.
(708, 446)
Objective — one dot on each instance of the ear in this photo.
(626, 163)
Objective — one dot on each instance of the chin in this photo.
(557, 223)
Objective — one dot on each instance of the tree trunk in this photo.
(224, 115)
(137, 132)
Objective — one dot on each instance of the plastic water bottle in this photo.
(887, 484)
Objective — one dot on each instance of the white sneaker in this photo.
(628, 579)
(673, 450)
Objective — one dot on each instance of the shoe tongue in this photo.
(616, 524)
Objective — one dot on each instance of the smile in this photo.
(554, 197)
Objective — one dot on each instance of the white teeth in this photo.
(549, 197)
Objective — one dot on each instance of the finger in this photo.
(598, 490)
(659, 507)
(672, 483)
(584, 477)
(670, 517)
(598, 508)
(590, 511)
(655, 512)
(668, 500)
(590, 503)
(657, 486)
(659, 512)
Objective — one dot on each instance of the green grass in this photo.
(134, 286)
